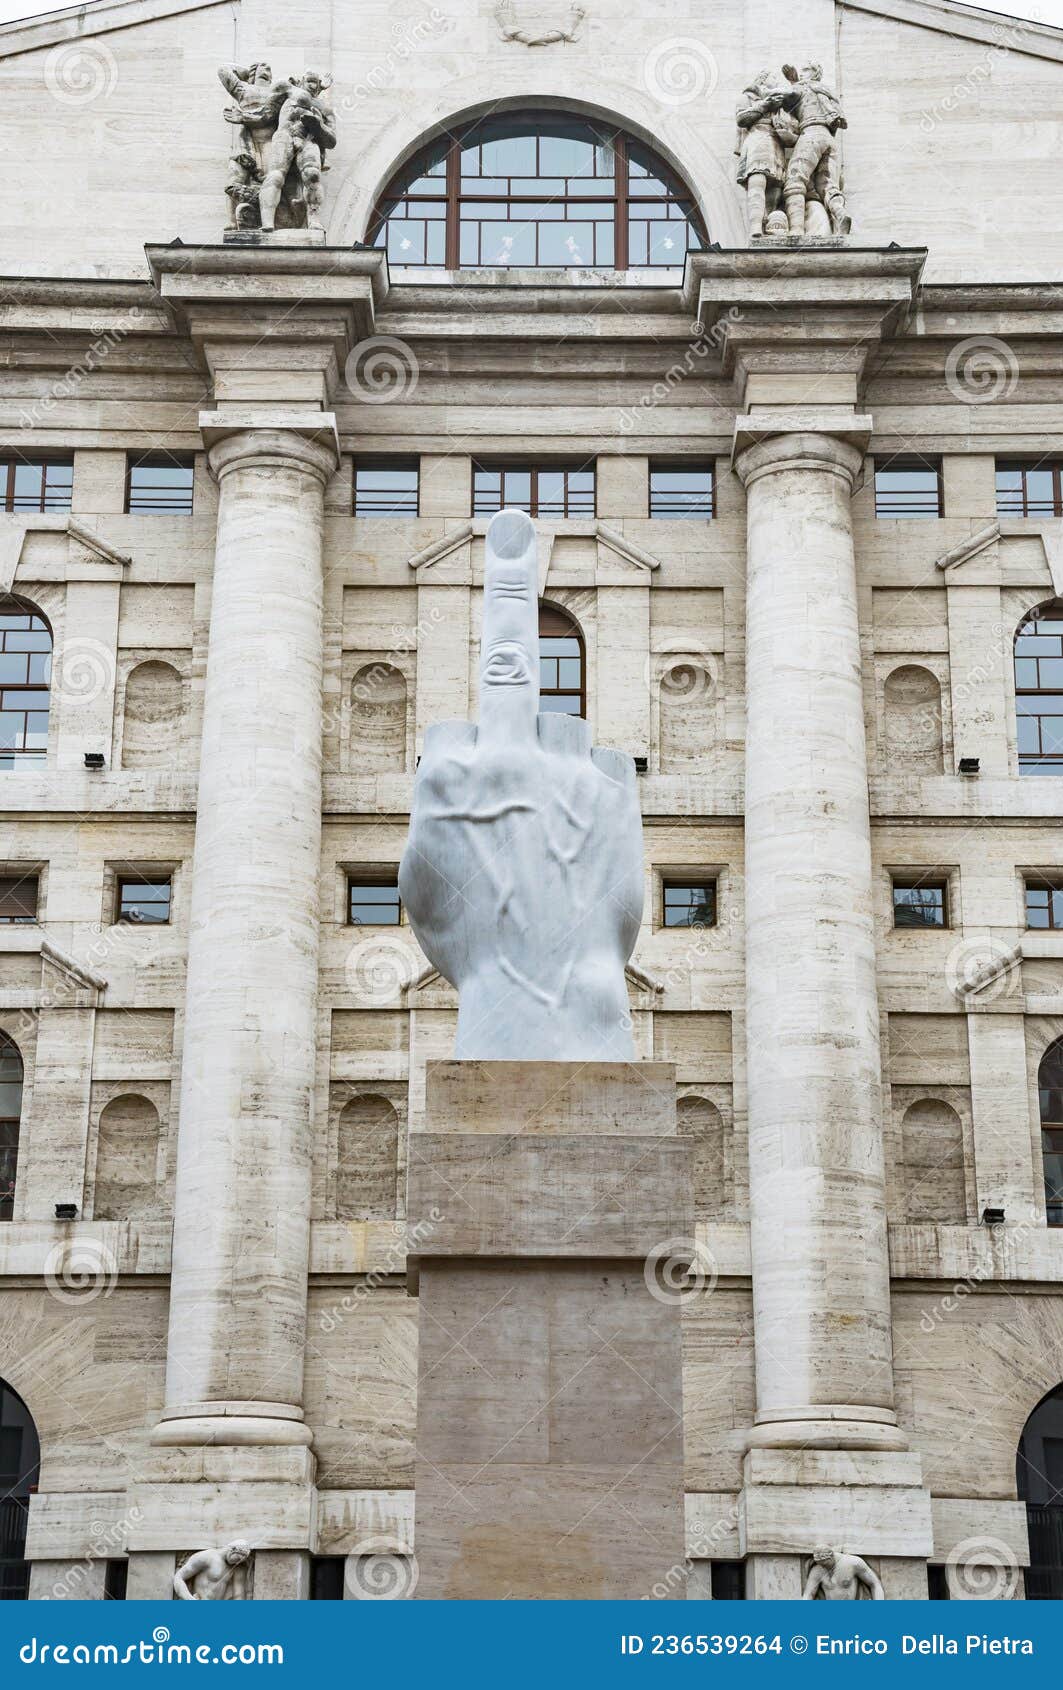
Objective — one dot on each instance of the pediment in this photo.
(77, 545)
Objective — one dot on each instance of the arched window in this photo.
(10, 1115)
(1039, 690)
(562, 663)
(539, 189)
(1039, 1476)
(1050, 1096)
(20, 1460)
(25, 679)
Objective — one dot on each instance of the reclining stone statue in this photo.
(523, 875)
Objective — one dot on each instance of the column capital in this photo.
(239, 437)
(794, 439)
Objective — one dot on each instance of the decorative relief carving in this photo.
(215, 1575)
(283, 129)
(536, 25)
(788, 160)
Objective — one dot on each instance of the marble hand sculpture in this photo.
(283, 130)
(214, 1575)
(523, 875)
(837, 1577)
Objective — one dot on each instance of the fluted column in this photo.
(242, 1209)
(817, 1201)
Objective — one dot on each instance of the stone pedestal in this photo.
(549, 1440)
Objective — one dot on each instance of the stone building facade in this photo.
(796, 502)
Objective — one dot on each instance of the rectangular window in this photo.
(145, 903)
(1044, 903)
(326, 1578)
(554, 490)
(682, 490)
(937, 1582)
(387, 486)
(36, 484)
(373, 903)
(728, 1581)
(115, 1581)
(920, 903)
(159, 483)
(908, 486)
(689, 903)
(1030, 488)
(18, 898)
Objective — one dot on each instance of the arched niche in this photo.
(127, 1159)
(687, 716)
(913, 724)
(367, 1154)
(153, 717)
(698, 1119)
(378, 719)
(935, 1187)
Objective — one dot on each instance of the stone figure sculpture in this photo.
(787, 151)
(836, 1577)
(214, 1575)
(284, 128)
(523, 874)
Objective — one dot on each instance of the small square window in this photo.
(142, 902)
(18, 898)
(689, 903)
(1044, 904)
(908, 487)
(373, 903)
(386, 487)
(159, 483)
(920, 903)
(682, 490)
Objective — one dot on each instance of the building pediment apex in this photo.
(609, 539)
(80, 539)
(972, 547)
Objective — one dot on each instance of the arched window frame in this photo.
(16, 1489)
(20, 709)
(1050, 1112)
(10, 1122)
(556, 624)
(1034, 681)
(634, 163)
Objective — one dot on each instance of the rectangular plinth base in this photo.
(549, 1411)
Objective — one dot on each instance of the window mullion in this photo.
(620, 179)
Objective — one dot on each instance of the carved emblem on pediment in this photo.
(538, 25)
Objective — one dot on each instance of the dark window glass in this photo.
(42, 484)
(919, 903)
(1030, 489)
(562, 667)
(555, 490)
(1050, 1101)
(728, 1581)
(681, 491)
(386, 488)
(1044, 904)
(538, 189)
(1039, 691)
(20, 1455)
(159, 483)
(18, 898)
(326, 1578)
(115, 1581)
(144, 902)
(25, 678)
(373, 903)
(689, 903)
(937, 1583)
(10, 1115)
(908, 487)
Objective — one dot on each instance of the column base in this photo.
(243, 1424)
(840, 1426)
(865, 1502)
